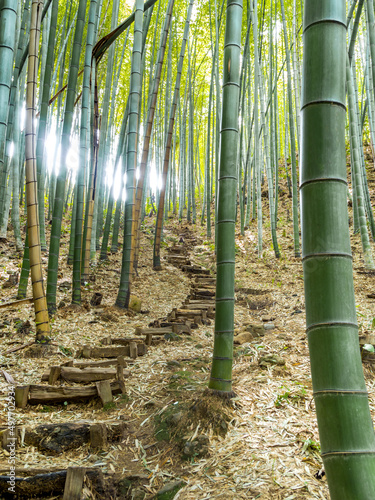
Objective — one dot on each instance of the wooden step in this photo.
(195, 315)
(113, 351)
(210, 310)
(50, 394)
(58, 438)
(85, 375)
(203, 286)
(171, 327)
(195, 270)
(206, 302)
(120, 360)
(177, 249)
(204, 279)
(179, 258)
(202, 294)
(49, 484)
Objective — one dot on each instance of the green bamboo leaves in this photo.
(345, 426)
(221, 370)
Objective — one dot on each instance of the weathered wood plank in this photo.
(54, 374)
(203, 286)
(195, 270)
(101, 363)
(121, 340)
(104, 391)
(41, 394)
(72, 374)
(191, 312)
(155, 331)
(74, 483)
(98, 436)
(21, 395)
(199, 305)
(107, 352)
(46, 485)
(133, 351)
(58, 438)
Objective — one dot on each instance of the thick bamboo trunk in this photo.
(40, 303)
(221, 370)
(344, 420)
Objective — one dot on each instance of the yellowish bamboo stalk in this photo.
(39, 296)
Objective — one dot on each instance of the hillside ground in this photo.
(269, 444)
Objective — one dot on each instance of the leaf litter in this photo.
(270, 449)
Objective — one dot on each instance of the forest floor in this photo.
(270, 449)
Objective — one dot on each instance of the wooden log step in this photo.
(182, 324)
(197, 304)
(139, 330)
(64, 436)
(195, 270)
(206, 292)
(158, 333)
(113, 351)
(203, 286)
(200, 279)
(137, 347)
(47, 485)
(198, 294)
(86, 375)
(197, 288)
(178, 249)
(210, 310)
(192, 315)
(104, 352)
(179, 258)
(102, 363)
(169, 328)
(187, 313)
(182, 327)
(121, 340)
(50, 394)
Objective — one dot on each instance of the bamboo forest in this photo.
(187, 231)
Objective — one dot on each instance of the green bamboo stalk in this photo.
(16, 178)
(345, 427)
(221, 370)
(148, 130)
(105, 128)
(123, 295)
(168, 145)
(292, 139)
(8, 17)
(54, 250)
(353, 123)
(46, 93)
(83, 154)
(257, 161)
